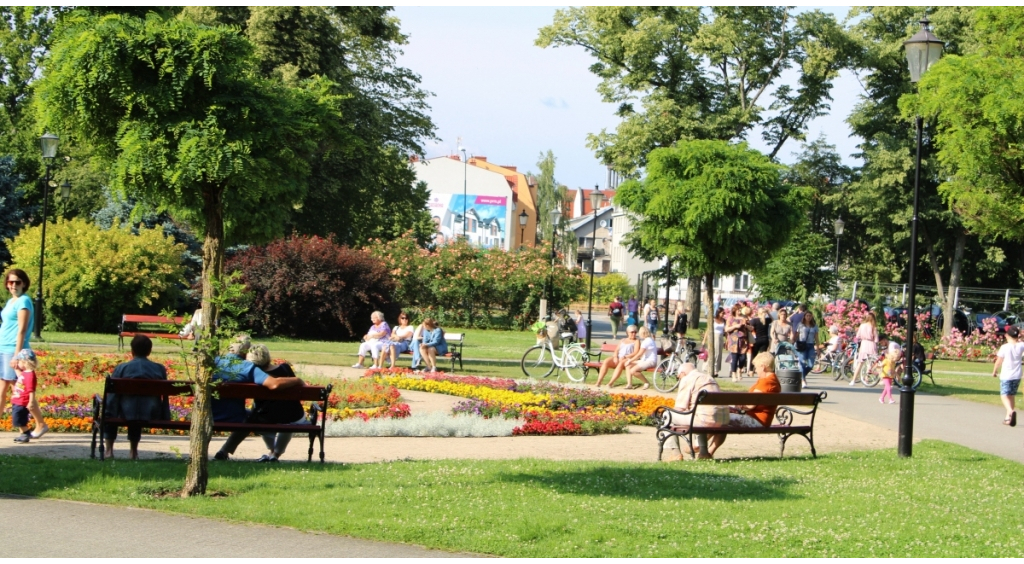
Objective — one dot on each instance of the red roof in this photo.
(588, 209)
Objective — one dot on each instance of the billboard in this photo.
(485, 224)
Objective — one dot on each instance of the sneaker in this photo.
(854, 383)
(221, 455)
(265, 458)
(357, 365)
(22, 438)
(892, 401)
(880, 401)
(46, 429)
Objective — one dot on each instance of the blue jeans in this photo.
(416, 358)
(6, 372)
(807, 358)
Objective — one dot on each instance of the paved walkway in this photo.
(100, 531)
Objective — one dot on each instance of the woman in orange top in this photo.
(767, 383)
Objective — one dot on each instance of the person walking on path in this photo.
(867, 334)
(679, 326)
(1008, 369)
(798, 317)
(889, 372)
(16, 323)
(632, 306)
(615, 315)
(651, 317)
(807, 344)
(761, 324)
(23, 400)
(737, 332)
(781, 331)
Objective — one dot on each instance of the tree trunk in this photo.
(693, 301)
(954, 281)
(934, 263)
(201, 428)
(709, 303)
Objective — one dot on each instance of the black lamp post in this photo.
(838, 224)
(465, 183)
(48, 144)
(596, 198)
(556, 215)
(522, 227)
(923, 50)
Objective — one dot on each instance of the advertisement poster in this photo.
(484, 225)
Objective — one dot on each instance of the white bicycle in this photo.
(540, 360)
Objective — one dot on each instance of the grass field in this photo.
(945, 501)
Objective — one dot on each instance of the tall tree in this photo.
(717, 207)
(366, 188)
(681, 72)
(189, 126)
(879, 201)
(12, 212)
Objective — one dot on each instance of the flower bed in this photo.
(72, 413)
(548, 409)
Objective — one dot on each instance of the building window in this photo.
(716, 283)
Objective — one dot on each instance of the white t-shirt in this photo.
(651, 351)
(1011, 355)
(833, 343)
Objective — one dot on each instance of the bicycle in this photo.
(540, 360)
(666, 374)
(830, 362)
(874, 375)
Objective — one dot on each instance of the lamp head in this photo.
(556, 214)
(65, 190)
(923, 50)
(523, 217)
(596, 198)
(48, 143)
(839, 224)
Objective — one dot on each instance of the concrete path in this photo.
(141, 533)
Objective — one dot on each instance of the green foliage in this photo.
(12, 211)
(715, 206)
(802, 266)
(608, 286)
(976, 102)
(702, 73)
(460, 284)
(93, 276)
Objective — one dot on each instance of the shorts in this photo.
(743, 420)
(1008, 387)
(19, 416)
(644, 365)
(6, 372)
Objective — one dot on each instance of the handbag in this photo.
(802, 346)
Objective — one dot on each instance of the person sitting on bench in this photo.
(234, 368)
(131, 407)
(280, 412)
(767, 383)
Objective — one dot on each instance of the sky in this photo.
(510, 101)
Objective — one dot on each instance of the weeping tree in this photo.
(189, 126)
(717, 207)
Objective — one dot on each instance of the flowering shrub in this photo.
(451, 281)
(899, 332)
(979, 345)
(845, 315)
(311, 287)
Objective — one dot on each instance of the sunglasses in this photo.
(15, 282)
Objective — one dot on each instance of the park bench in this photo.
(166, 388)
(610, 348)
(133, 324)
(455, 342)
(675, 423)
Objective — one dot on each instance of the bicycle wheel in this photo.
(844, 370)
(918, 377)
(537, 362)
(666, 375)
(872, 374)
(821, 365)
(573, 361)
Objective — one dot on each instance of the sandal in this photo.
(645, 386)
(1011, 420)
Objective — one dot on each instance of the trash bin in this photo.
(787, 368)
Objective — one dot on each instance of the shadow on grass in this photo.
(33, 476)
(658, 482)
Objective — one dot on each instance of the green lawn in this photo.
(945, 501)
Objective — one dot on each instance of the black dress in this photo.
(762, 337)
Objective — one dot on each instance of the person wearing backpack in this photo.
(615, 315)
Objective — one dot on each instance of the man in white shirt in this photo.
(1008, 369)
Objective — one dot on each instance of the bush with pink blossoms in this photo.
(978, 346)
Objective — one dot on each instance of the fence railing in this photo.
(979, 299)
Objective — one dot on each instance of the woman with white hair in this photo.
(372, 342)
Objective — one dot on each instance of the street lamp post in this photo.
(923, 50)
(48, 144)
(523, 217)
(838, 224)
(556, 215)
(596, 198)
(465, 183)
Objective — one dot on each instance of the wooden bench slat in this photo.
(133, 318)
(744, 398)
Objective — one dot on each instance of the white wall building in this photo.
(484, 215)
